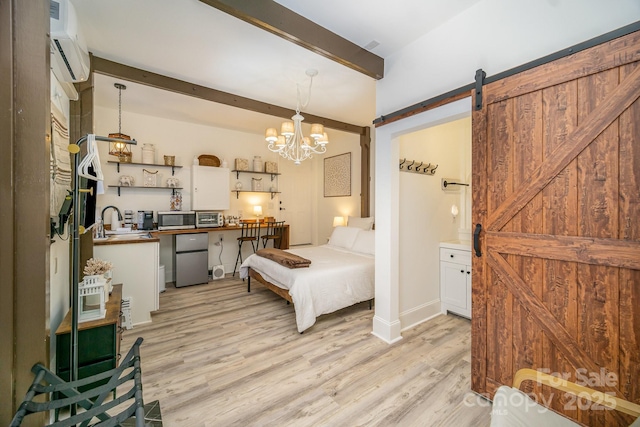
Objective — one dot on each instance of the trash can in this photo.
(161, 283)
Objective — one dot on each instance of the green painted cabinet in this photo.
(98, 341)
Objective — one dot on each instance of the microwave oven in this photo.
(209, 219)
(176, 220)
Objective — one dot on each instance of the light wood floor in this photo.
(215, 355)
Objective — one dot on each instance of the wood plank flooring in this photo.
(216, 355)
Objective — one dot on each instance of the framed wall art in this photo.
(337, 175)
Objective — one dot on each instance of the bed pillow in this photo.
(365, 242)
(364, 223)
(344, 237)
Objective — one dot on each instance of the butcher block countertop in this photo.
(154, 235)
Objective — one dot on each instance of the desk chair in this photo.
(250, 233)
(274, 232)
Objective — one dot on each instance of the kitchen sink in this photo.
(129, 236)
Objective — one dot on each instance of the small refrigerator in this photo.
(191, 259)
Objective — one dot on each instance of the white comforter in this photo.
(337, 278)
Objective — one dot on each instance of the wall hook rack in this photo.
(419, 168)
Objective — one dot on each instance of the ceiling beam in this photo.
(279, 20)
(147, 78)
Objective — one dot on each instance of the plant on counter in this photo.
(97, 266)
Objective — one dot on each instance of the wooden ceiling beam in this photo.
(147, 78)
(279, 20)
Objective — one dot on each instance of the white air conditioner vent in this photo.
(69, 56)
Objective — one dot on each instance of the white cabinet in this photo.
(135, 265)
(455, 278)
(209, 188)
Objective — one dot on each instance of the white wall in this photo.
(425, 213)
(330, 207)
(188, 140)
(494, 35)
(59, 249)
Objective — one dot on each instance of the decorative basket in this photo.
(208, 160)
(271, 167)
(170, 160)
(242, 164)
(124, 158)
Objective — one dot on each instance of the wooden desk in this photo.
(283, 245)
(98, 341)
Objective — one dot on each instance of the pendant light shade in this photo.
(120, 149)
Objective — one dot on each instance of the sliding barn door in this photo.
(556, 176)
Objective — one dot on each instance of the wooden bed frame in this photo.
(284, 293)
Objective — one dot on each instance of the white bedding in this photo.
(337, 278)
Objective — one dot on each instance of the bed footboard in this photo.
(275, 289)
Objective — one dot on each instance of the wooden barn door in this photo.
(556, 176)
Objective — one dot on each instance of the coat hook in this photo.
(418, 167)
(402, 162)
(433, 171)
(409, 167)
(426, 168)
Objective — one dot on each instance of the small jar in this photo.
(257, 164)
(148, 154)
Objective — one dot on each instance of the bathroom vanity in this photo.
(455, 277)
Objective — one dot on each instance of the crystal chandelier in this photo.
(291, 143)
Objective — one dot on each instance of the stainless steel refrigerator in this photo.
(192, 259)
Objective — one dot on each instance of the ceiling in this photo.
(192, 41)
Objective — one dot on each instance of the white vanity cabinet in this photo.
(455, 278)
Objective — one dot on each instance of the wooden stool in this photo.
(250, 233)
(274, 232)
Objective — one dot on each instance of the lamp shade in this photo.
(316, 130)
(271, 135)
(287, 128)
(338, 221)
(281, 141)
(257, 210)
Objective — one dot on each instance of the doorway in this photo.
(295, 201)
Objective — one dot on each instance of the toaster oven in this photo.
(209, 219)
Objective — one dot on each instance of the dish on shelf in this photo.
(208, 160)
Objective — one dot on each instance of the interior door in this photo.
(556, 178)
(295, 200)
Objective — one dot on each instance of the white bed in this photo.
(341, 274)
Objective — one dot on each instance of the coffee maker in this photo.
(145, 220)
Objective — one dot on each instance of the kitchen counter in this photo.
(158, 233)
(119, 239)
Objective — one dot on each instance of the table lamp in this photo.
(257, 210)
(338, 221)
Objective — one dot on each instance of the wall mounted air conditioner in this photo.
(69, 55)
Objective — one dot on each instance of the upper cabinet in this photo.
(209, 188)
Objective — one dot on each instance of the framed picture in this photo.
(337, 175)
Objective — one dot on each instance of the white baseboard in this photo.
(387, 332)
(420, 314)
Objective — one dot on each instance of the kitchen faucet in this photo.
(116, 209)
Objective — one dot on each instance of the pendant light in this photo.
(120, 149)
